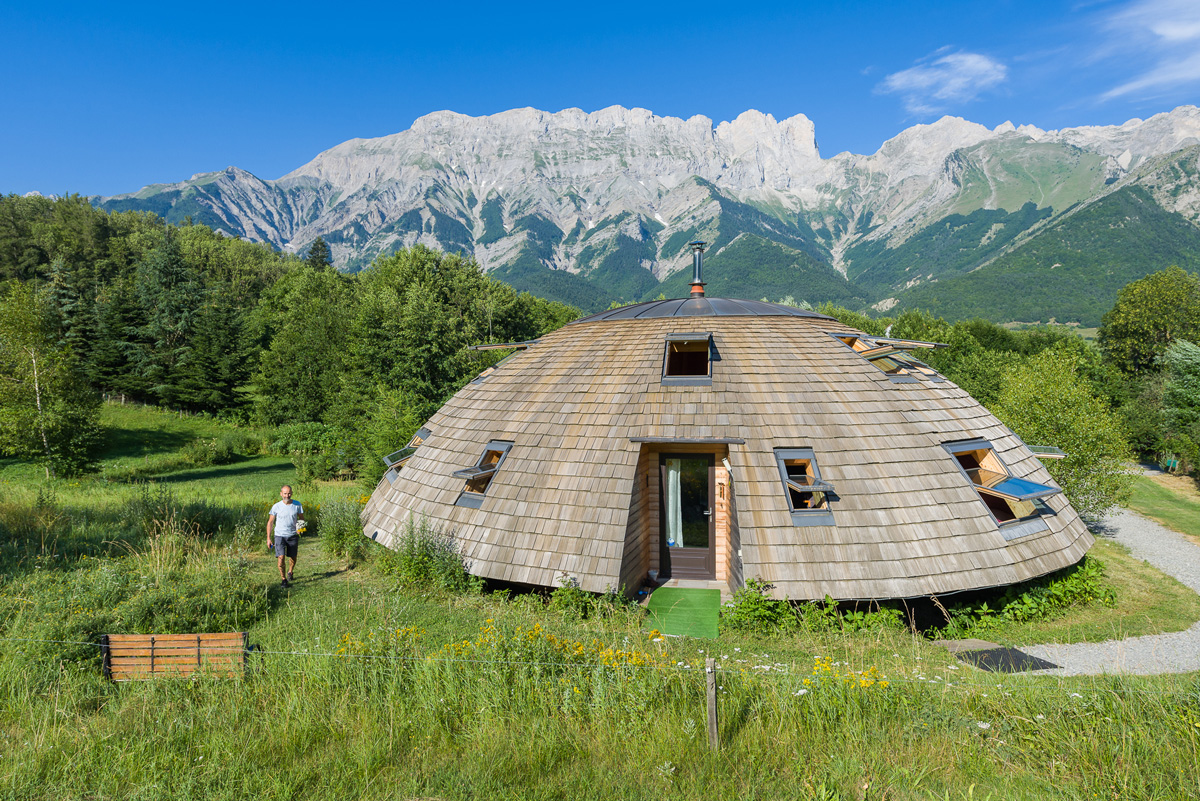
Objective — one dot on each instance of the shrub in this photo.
(530, 602)
(207, 452)
(1041, 599)
(425, 555)
(882, 618)
(341, 530)
(754, 610)
(317, 466)
(569, 600)
(247, 443)
(616, 602)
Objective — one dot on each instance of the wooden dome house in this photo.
(713, 440)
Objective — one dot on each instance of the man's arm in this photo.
(270, 528)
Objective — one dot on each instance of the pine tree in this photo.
(118, 321)
(217, 363)
(170, 293)
(319, 256)
(69, 294)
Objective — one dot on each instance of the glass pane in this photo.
(693, 502)
(1016, 488)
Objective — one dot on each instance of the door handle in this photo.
(708, 511)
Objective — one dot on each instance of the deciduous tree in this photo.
(1046, 401)
(1148, 316)
(47, 410)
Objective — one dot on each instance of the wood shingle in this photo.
(576, 494)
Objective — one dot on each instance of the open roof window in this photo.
(893, 356)
(1008, 498)
(515, 347)
(397, 459)
(688, 360)
(808, 495)
(479, 477)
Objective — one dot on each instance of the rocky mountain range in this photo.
(1015, 223)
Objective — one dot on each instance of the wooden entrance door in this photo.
(687, 530)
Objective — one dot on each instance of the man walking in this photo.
(281, 530)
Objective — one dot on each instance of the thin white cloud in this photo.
(1168, 31)
(947, 80)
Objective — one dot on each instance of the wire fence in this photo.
(777, 671)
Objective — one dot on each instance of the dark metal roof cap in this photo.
(700, 307)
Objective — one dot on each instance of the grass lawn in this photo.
(1171, 500)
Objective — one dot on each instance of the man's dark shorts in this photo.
(287, 546)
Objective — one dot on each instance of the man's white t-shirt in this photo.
(286, 514)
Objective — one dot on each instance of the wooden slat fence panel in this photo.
(129, 657)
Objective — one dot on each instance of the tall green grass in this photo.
(528, 717)
(373, 687)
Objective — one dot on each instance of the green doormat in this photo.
(685, 612)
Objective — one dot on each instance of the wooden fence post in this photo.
(710, 674)
(105, 657)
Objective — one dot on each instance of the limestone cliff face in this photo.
(623, 189)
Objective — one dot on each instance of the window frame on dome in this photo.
(687, 379)
(814, 485)
(483, 471)
(998, 489)
(892, 358)
(397, 459)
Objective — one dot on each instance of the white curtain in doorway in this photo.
(674, 511)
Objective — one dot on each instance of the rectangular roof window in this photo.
(397, 459)
(688, 360)
(1047, 452)
(1007, 497)
(808, 495)
(893, 357)
(479, 477)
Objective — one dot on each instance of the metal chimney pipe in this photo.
(697, 265)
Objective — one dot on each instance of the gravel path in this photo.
(1177, 652)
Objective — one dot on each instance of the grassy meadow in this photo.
(373, 685)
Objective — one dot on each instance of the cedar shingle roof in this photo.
(907, 521)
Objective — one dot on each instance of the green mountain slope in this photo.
(1006, 173)
(1072, 270)
(527, 273)
(955, 244)
(753, 268)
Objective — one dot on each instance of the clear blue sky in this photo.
(102, 98)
